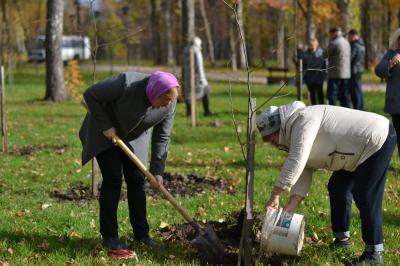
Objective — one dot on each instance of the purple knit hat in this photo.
(159, 83)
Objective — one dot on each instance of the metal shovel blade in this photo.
(209, 246)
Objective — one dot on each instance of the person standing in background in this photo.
(202, 88)
(315, 71)
(357, 68)
(389, 68)
(338, 54)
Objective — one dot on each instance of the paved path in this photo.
(216, 76)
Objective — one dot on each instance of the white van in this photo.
(73, 47)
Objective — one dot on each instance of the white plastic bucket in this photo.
(282, 232)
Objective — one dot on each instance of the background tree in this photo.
(370, 30)
(345, 14)
(55, 89)
(240, 21)
(168, 40)
(207, 29)
(310, 21)
(156, 30)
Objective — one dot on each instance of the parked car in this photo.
(73, 47)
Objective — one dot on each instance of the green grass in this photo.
(67, 233)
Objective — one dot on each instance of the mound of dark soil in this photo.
(32, 149)
(76, 192)
(228, 232)
(176, 184)
(192, 184)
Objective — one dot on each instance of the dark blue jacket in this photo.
(357, 56)
(314, 67)
(392, 76)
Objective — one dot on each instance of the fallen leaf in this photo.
(20, 213)
(201, 212)
(73, 234)
(45, 245)
(10, 250)
(314, 237)
(92, 223)
(45, 206)
(164, 225)
(226, 149)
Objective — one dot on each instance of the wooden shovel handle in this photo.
(152, 178)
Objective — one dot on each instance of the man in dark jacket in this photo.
(357, 68)
(314, 66)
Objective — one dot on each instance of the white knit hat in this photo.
(197, 42)
(269, 121)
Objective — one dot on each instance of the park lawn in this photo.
(38, 230)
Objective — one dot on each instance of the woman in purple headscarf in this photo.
(128, 105)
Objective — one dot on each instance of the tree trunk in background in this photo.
(343, 6)
(4, 34)
(232, 39)
(188, 16)
(398, 17)
(156, 32)
(208, 31)
(280, 49)
(55, 89)
(166, 7)
(310, 32)
(370, 31)
(242, 46)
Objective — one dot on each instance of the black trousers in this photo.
(316, 93)
(113, 163)
(396, 124)
(355, 88)
(366, 186)
(206, 105)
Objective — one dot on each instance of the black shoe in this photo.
(369, 258)
(209, 114)
(149, 242)
(339, 243)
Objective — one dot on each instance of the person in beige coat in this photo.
(356, 145)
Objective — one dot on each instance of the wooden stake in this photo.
(3, 111)
(192, 88)
(246, 241)
(299, 79)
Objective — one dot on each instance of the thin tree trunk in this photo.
(168, 32)
(310, 22)
(55, 89)
(156, 32)
(208, 31)
(232, 40)
(370, 31)
(343, 6)
(242, 48)
(280, 49)
(188, 15)
(398, 17)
